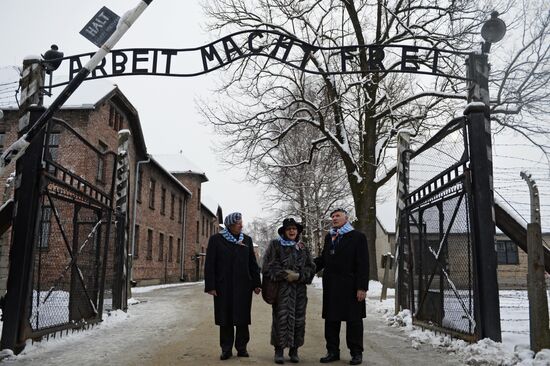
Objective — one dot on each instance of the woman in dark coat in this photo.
(231, 274)
(288, 262)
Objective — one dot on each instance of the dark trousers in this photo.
(354, 336)
(228, 335)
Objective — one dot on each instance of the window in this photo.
(172, 205)
(2, 141)
(507, 252)
(180, 211)
(139, 185)
(199, 199)
(100, 176)
(161, 247)
(53, 146)
(178, 253)
(203, 225)
(115, 119)
(111, 116)
(163, 201)
(149, 244)
(197, 233)
(136, 242)
(45, 225)
(170, 248)
(152, 184)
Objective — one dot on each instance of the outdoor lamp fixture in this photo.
(492, 31)
(52, 59)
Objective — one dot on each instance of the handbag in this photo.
(270, 289)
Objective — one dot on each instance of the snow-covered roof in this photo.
(87, 95)
(177, 163)
(169, 175)
(209, 203)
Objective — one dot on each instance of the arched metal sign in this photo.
(282, 47)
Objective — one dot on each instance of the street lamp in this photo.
(492, 31)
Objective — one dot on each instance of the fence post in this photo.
(120, 284)
(403, 145)
(27, 192)
(477, 111)
(536, 286)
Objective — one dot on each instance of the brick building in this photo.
(165, 212)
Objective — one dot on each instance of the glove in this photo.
(292, 276)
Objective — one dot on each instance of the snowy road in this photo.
(174, 326)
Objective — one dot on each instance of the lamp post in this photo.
(481, 166)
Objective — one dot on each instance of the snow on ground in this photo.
(514, 350)
(141, 290)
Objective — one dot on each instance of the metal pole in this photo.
(485, 258)
(536, 286)
(403, 145)
(17, 149)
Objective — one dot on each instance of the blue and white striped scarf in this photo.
(286, 243)
(230, 238)
(346, 228)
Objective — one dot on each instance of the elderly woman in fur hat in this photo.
(288, 261)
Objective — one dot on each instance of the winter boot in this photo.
(279, 356)
(293, 354)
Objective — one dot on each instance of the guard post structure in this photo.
(477, 111)
(120, 285)
(26, 209)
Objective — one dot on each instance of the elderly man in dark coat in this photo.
(345, 261)
(231, 274)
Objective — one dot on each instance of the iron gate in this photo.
(437, 256)
(72, 243)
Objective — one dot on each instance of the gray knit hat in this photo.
(232, 218)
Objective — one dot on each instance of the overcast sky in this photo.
(166, 106)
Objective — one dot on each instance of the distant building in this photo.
(169, 230)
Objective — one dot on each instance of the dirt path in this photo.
(174, 326)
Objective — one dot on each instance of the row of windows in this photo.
(162, 254)
(207, 228)
(163, 193)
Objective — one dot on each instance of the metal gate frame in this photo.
(455, 182)
(42, 182)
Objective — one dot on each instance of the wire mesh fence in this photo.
(438, 244)
(75, 238)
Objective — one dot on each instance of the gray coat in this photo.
(289, 311)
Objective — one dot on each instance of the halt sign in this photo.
(100, 28)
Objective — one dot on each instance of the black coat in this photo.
(345, 272)
(231, 269)
(289, 312)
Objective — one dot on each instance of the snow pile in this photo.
(484, 352)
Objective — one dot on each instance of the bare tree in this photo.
(358, 114)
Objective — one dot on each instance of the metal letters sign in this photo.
(270, 44)
(100, 28)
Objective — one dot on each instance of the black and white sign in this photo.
(100, 28)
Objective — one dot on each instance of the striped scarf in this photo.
(286, 243)
(230, 238)
(346, 228)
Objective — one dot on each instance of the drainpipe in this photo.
(182, 253)
(134, 215)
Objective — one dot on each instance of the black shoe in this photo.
(356, 359)
(225, 355)
(279, 356)
(242, 353)
(293, 354)
(330, 357)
